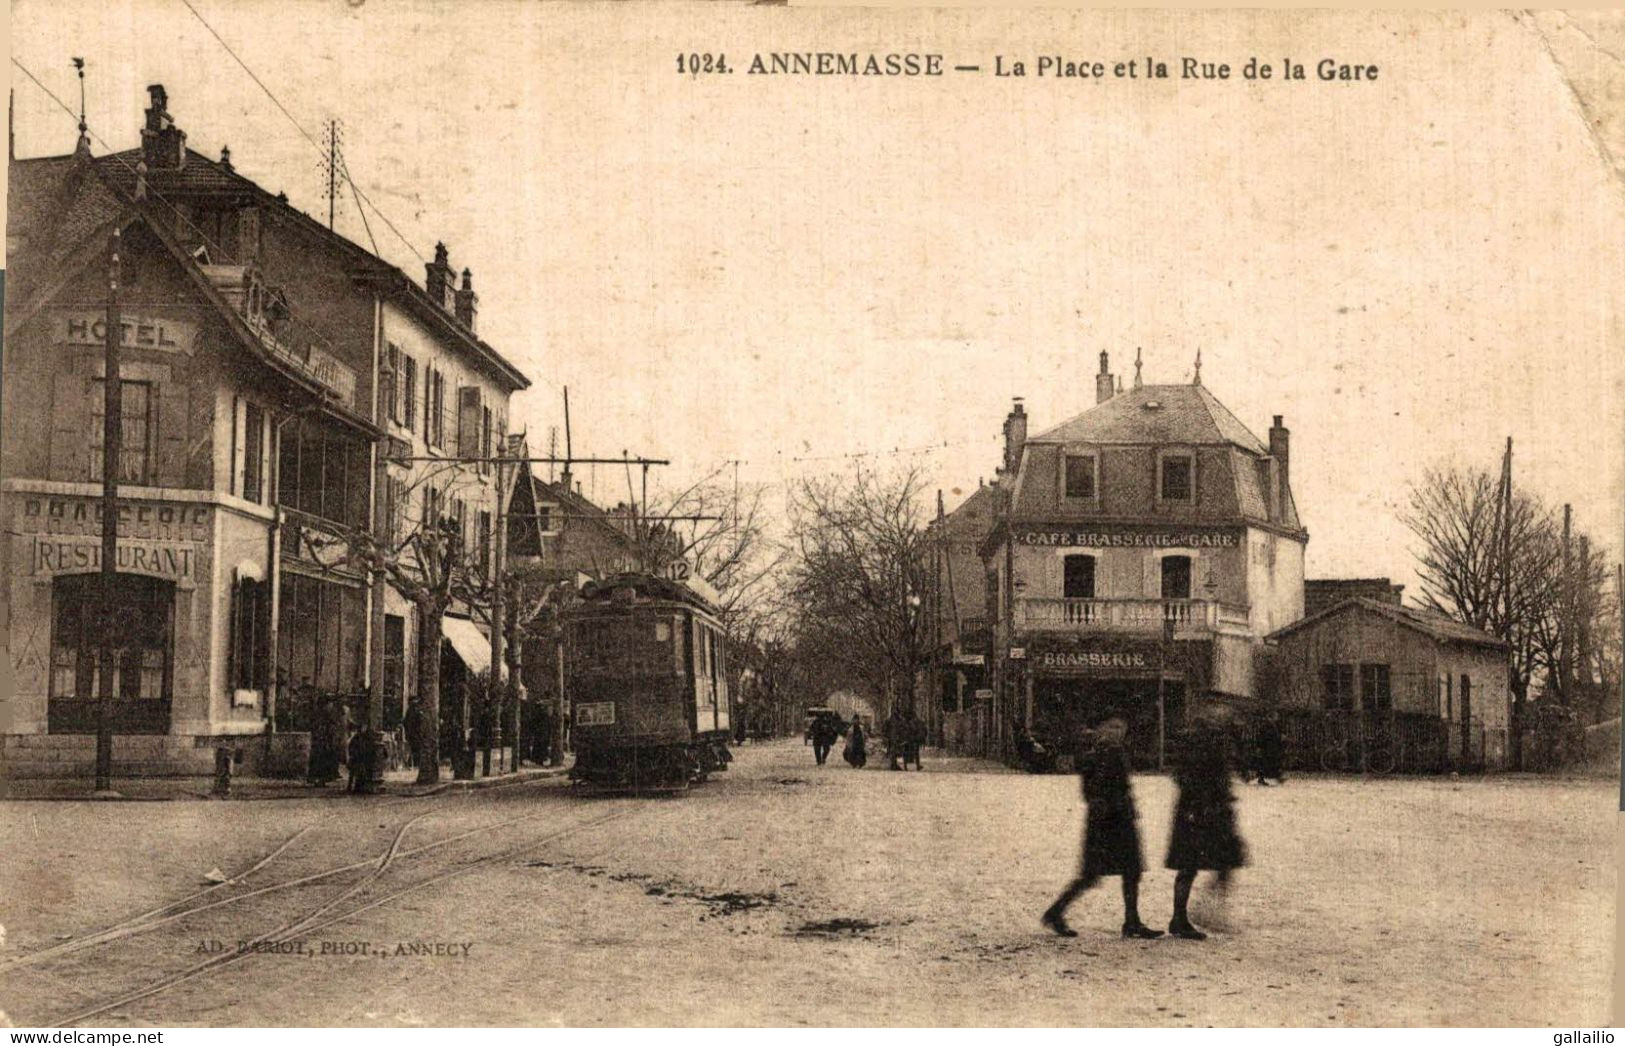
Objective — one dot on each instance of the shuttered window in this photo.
(135, 452)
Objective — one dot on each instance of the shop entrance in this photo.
(1063, 707)
(125, 647)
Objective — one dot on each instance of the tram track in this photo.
(334, 909)
(167, 914)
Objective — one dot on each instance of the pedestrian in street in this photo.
(1204, 835)
(361, 752)
(825, 731)
(1270, 750)
(413, 725)
(1111, 839)
(326, 741)
(914, 740)
(896, 739)
(856, 752)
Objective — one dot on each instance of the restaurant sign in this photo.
(1131, 537)
(166, 559)
(155, 538)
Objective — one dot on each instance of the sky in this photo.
(782, 272)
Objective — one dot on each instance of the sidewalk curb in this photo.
(522, 777)
(283, 793)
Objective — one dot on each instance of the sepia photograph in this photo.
(547, 514)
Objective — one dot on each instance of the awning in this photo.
(470, 644)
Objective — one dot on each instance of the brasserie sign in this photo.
(1103, 537)
(1110, 657)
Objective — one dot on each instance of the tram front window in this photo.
(636, 646)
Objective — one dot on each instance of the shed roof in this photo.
(1431, 623)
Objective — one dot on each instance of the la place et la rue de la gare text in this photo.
(1054, 66)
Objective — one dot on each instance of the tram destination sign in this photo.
(1130, 537)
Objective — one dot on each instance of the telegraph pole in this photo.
(498, 545)
(331, 162)
(112, 446)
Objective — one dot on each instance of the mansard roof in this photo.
(1181, 414)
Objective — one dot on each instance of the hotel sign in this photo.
(322, 367)
(1123, 537)
(88, 329)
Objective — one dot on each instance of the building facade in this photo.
(285, 391)
(955, 604)
(1142, 552)
(1367, 671)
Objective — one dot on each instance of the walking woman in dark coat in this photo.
(1204, 836)
(1111, 841)
(856, 752)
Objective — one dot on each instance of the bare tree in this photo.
(422, 556)
(855, 575)
(533, 598)
(1504, 581)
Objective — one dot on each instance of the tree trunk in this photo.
(1515, 739)
(511, 694)
(428, 740)
(556, 754)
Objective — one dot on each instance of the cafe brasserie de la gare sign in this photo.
(1130, 537)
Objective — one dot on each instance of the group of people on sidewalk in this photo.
(336, 745)
(1204, 834)
(904, 735)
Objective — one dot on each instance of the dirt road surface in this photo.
(785, 893)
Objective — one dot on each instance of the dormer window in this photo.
(1177, 481)
(1082, 477)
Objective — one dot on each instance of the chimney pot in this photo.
(440, 280)
(1015, 436)
(467, 302)
(1281, 451)
(1105, 386)
(163, 145)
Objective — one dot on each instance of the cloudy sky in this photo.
(783, 270)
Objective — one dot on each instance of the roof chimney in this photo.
(1104, 386)
(1280, 450)
(468, 303)
(163, 145)
(439, 279)
(1015, 437)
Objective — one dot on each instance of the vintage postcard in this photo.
(700, 514)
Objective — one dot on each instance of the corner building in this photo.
(1152, 537)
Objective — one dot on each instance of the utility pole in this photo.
(1506, 608)
(112, 447)
(498, 545)
(1162, 694)
(1565, 610)
(331, 162)
(564, 475)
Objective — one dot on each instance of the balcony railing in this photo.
(1125, 615)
